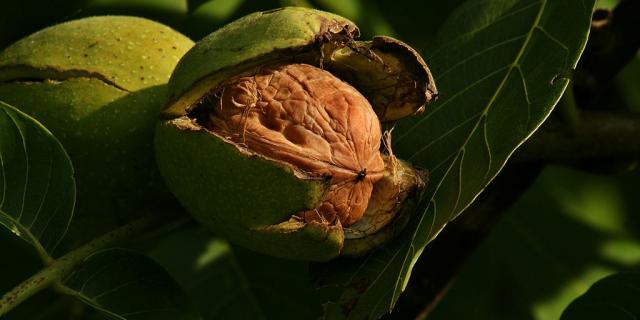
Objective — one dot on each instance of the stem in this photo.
(569, 110)
(62, 267)
(598, 136)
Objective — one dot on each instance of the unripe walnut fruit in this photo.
(309, 118)
(98, 84)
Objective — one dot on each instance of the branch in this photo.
(62, 267)
(598, 136)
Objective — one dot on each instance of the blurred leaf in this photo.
(209, 16)
(21, 18)
(123, 284)
(170, 12)
(569, 230)
(283, 288)
(296, 3)
(366, 14)
(206, 268)
(415, 22)
(193, 4)
(249, 285)
(498, 68)
(607, 4)
(37, 189)
(351, 9)
(217, 10)
(627, 83)
(615, 297)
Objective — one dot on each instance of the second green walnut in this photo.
(98, 84)
(277, 134)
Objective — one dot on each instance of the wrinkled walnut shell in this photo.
(307, 117)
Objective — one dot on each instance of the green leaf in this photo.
(20, 18)
(614, 298)
(207, 268)
(627, 83)
(249, 285)
(500, 67)
(126, 285)
(417, 26)
(566, 232)
(205, 16)
(221, 9)
(37, 189)
(170, 12)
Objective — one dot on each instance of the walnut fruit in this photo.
(275, 139)
(98, 84)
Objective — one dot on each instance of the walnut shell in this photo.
(307, 117)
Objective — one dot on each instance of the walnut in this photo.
(309, 118)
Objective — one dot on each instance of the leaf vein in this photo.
(46, 191)
(449, 99)
(477, 54)
(444, 135)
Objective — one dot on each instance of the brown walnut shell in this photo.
(309, 118)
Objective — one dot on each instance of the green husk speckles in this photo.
(98, 84)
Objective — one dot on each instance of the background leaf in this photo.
(207, 268)
(123, 284)
(248, 285)
(614, 297)
(566, 232)
(37, 189)
(500, 68)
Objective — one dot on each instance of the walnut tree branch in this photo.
(598, 136)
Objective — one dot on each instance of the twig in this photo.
(62, 267)
(599, 136)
